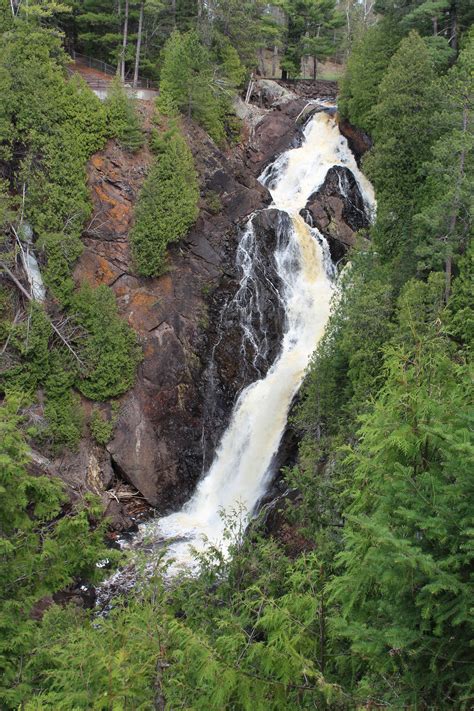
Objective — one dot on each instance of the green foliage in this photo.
(122, 117)
(100, 427)
(119, 656)
(403, 136)
(213, 202)
(167, 205)
(57, 125)
(366, 598)
(366, 66)
(110, 351)
(233, 69)
(444, 223)
(35, 364)
(62, 407)
(404, 585)
(345, 367)
(311, 32)
(191, 85)
(40, 555)
(256, 652)
(461, 315)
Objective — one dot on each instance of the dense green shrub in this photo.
(403, 133)
(110, 351)
(100, 427)
(367, 63)
(189, 83)
(40, 553)
(404, 583)
(52, 126)
(122, 117)
(62, 408)
(167, 205)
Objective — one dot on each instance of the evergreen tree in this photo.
(188, 84)
(406, 577)
(97, 29)
(122, 117)
(311, 25)
(40, 554)
(110, 352)
(167, 205)
(444, 224)
(461, 313)
(403, 134)
(366, 66)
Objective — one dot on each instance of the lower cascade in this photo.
(242, 466)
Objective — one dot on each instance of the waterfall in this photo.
(242, 466)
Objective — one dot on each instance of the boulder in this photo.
(269, 93)
(337, 210)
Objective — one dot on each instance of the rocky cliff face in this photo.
(192, 367)
(188, 320)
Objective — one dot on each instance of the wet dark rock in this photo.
(234, 361)
(275, 133)
(337, 209)
(158, 440)
(359, 142)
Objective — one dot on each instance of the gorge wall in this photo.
(187, 323)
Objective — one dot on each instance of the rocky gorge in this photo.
(170, 422)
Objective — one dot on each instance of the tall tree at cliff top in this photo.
(444, 224)
(403, 133)
(191, 84)
(244, 23)
(312, 31)
(366, 66)
(447, 19)
(95, 28)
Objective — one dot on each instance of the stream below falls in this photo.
(242, 468)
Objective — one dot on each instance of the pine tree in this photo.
(444, 225)
(405, 580)
(188, 83)
(122, 117)
(40, 554)
(167, 205)
(366, 65)
(311, 25)
(403, 134)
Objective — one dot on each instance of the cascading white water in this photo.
(239, 475)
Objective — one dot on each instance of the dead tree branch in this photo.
(20, 286)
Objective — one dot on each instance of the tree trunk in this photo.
(454, 215)
(315, 68)
(119, 58)
(453, 40)
(435, 26)
(173, 12)
(322, 634)
(124, 42)
(274, 61)
(139, 45)
(261, 61)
